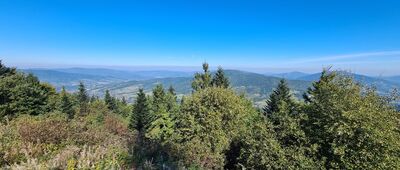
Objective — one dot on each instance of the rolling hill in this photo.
(93, 77)
(256, 86)
(126, 83)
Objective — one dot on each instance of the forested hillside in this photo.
(256, 87)
(336, 124)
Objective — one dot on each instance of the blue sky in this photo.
(361, 36)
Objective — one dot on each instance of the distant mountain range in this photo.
(290, 75)
(395, 79)
(126, 83)
(256, 86)
(93, 77)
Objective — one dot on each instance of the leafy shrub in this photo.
(43, 131)
(52, 141)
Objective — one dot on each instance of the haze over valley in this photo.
(126, 83)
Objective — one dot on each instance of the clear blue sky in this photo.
(362, 36)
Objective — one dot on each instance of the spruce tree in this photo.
(281, 112)
(171, 90)
(159, 98)
(140, 119)
(109, 100)
(171, 100)
(202, 80)
(161, 126)
(24, 94)
(279, 95)
(83, 98)
(66, 104)
(220, 80)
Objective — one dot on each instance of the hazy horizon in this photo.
(192, 69)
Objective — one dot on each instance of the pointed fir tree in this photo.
(220, 80)
(83, 98)
(281, 112)
(109, 100)
(171, 90)
(202, 80)
(66, 104)
(171, 100)
(159, 97)
(162, 127)
(140, 119)
(279, 95)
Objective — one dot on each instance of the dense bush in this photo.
(54, 141)
(208, 122)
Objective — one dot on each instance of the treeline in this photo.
(339, 124)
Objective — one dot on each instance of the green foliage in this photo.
(171, 99)
(83, 98)
(164, 107)
(220, 80)
(354, 128)
(202, 80)
(123, 101)
(261, 150)
(24, 94)
(53, 142)
(280, 95)
(159, 98)
(110, 101)
(209, 120)
(162, 127)
(66, 105)
(141, 118)
(93, 99)
(281, 111)
(5, 71)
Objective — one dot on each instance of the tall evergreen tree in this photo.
(109, 100)
(171, 100)
(279, 95)
(141, 118)
(202, 80)
(281, 112)
(66, 104)
(24, 94)
(220, 80)
(171, 90)
(159, 98)
(83, 98)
